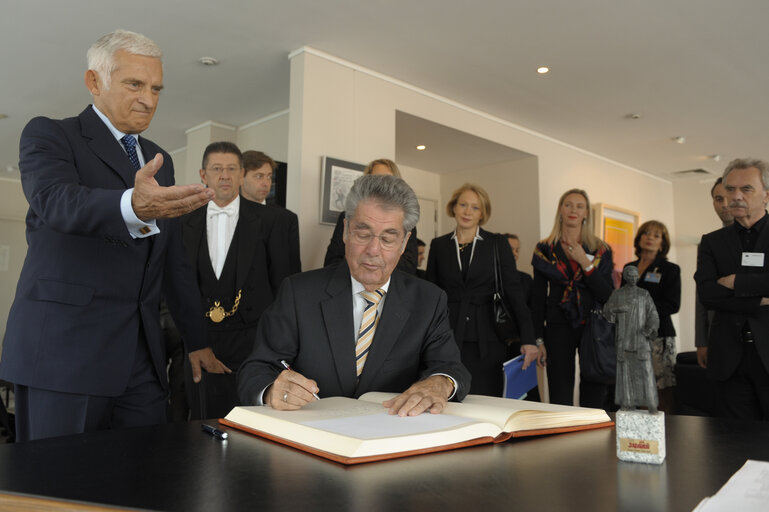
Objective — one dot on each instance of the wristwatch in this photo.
(539, 342)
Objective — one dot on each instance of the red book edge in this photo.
(387, 456)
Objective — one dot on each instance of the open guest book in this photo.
(352, 431)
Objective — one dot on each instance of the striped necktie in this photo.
(367, 327)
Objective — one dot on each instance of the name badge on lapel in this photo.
(653, 277)
(752, 259)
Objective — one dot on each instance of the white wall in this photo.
(348, 112)
(694, 217)
(13, 244)
(269, 135)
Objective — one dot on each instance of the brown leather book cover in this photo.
(387, 456)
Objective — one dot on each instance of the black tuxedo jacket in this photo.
(261, 254)
(470, 301)
(310, 326)
(719, 255)
(87, 289)
(289, 223)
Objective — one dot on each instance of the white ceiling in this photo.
(693, 68)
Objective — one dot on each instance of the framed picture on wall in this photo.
(617, 227)
(336, 181)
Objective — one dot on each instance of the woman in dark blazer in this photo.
(662, 279)
(461, 262)
(572, 271)
(335, 250)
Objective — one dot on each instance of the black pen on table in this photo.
(287, 367)
(219, 434)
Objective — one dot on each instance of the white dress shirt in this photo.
(220, 226)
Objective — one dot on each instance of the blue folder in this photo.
(517, 381)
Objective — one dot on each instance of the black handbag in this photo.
(597, 349)
(504, 325)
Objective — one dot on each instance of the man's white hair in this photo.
(101, 54)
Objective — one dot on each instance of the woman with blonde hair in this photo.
(662, 279)
(572, 271)
(335, 250)
(462, 264)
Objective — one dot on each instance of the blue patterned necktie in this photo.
(129, 142)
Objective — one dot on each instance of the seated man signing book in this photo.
(359, 326)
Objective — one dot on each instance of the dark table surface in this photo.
(178, 467)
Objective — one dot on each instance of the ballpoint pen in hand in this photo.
(287, 367)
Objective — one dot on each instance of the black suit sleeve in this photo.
(539, 287)
(713, 295)
(54, 187)
(181, 291)
(514, 291)
(277, 338)
(408, 260)
(293, 242)
(335, 249)
(278, 247)
(440, 353)
(670, 301)
(431, 271)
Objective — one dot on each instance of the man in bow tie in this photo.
(238, 253)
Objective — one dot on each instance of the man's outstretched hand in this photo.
(151, 201)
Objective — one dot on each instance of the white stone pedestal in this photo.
(641, 436)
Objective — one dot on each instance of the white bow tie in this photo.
(214, 209)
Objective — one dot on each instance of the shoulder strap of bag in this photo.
(497, 272)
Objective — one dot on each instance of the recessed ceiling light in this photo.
(679, 140)
(543, 70)
(421, 147)
(208, 61)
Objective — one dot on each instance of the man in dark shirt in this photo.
(733, 281)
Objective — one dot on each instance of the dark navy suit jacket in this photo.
(87, 288)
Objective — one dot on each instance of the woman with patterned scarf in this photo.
(572, 270)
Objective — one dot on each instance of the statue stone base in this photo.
(641, 436)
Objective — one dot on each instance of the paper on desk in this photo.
(387, 425)
(747, 491)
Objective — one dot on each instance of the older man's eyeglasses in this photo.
(387, 241)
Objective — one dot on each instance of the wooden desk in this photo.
(177, 467)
